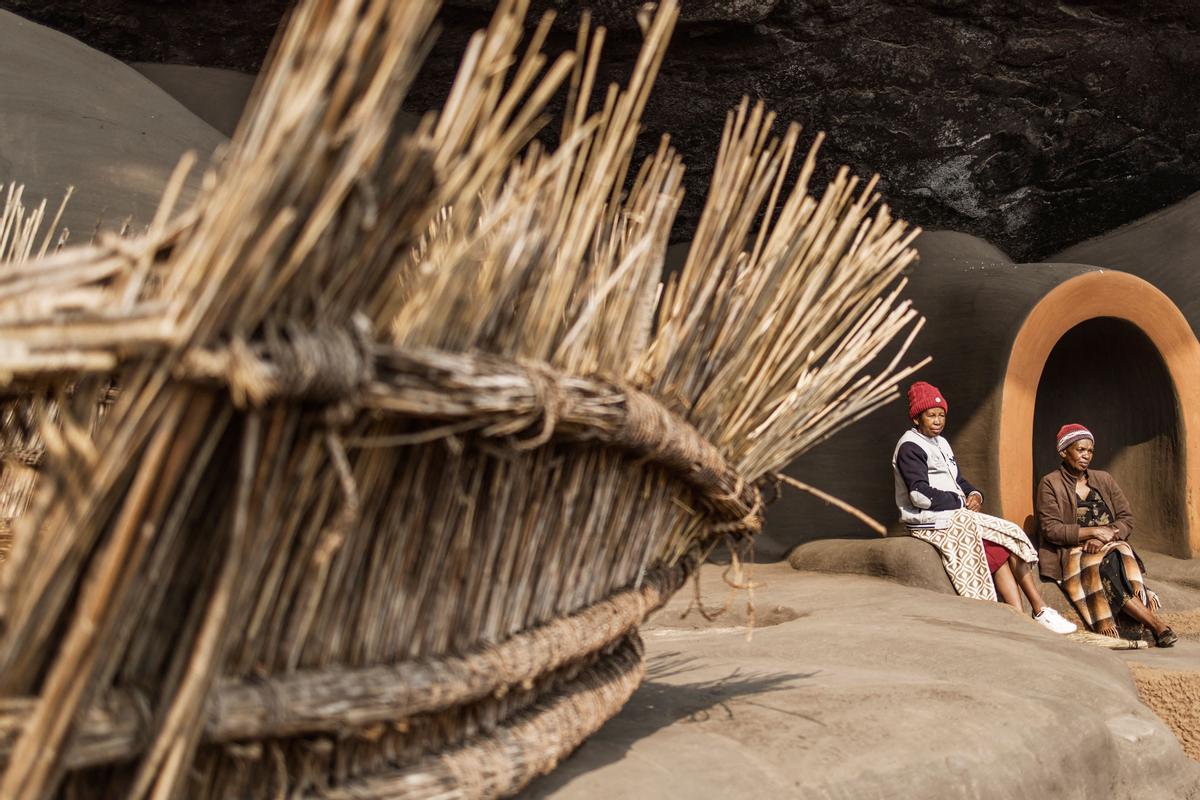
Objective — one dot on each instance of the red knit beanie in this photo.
(1071, 433)
(922, 397)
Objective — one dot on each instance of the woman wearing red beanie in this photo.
(1085, 523)
(983, 554)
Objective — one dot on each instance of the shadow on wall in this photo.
(854, 465)
(1107, 375)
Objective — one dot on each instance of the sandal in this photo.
(1166, 638)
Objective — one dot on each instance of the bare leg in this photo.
(1006, 587)
(1134, 608)
(1028, 583)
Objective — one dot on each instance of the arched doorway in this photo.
(1139, 385)
(1106, 374)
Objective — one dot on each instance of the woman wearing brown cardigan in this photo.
(1085, 523)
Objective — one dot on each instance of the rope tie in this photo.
(325, 365)
(649, 428)
(549, 401)
(751, 522)
(651, 431)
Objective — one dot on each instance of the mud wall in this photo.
(1162, 249)
(981, 309)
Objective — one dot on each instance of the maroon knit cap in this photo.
(922, 397)
(1071, 433)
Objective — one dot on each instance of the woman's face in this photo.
(1078, 454)
(931, 422)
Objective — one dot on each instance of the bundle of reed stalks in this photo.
(410, 435)
(21, 445)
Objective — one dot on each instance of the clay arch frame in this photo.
(1103, 293)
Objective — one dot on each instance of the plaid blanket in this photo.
(1085, 588)
(961, 548)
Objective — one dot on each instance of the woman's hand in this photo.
(1103, 535)
(1093, 546)
(975, 501)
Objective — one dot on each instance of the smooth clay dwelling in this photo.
(1022, 348)
(72, 116)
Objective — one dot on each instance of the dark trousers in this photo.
(1118, 590)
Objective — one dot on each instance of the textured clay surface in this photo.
(878, 690)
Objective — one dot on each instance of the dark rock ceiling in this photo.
(214, 33)
(1032, 124)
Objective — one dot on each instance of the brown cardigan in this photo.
(1057, 531)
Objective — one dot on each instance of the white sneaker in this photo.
(1051, 620)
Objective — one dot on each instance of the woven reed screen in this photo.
(355, 478)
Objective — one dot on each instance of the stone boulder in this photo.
(900, 559)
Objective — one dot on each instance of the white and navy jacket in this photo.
(928, 486)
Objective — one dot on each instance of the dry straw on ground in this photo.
(1175, 697)
(408, 436)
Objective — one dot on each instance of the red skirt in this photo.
(997, 555)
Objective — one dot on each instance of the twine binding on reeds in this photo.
(327, 365)
(529, 744)
(341, 701)
(524, 404)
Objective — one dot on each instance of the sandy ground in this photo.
(1168, 680)
(863, 688)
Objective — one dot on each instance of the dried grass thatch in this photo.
(22, 413)
(409, 437)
